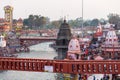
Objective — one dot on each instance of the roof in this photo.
(98, 58)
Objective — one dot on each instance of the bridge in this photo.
(51, 32)
(61, 66)
(30, 40)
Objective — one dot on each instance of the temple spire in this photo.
(64, 19)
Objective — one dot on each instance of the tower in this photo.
(63, 38)
(9, 15)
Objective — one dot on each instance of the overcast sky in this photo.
(56, 9)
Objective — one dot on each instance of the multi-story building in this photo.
(18, 24)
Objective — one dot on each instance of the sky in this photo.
(56, 9)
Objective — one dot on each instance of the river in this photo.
(40, 51)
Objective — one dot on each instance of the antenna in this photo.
(64, 17)
(67, 16)
(61, 17)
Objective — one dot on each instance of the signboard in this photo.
(48, 68)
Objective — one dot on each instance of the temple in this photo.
(63, 38)
(111, 46)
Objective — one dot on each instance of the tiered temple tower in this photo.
(63, 38)
(9, 15)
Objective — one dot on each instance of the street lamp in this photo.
(82, 18)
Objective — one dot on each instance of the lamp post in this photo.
(82, 19)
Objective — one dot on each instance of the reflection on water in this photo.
(42, 51)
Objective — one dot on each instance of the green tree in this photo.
(94, 22)
(103, 21)
(43, 21)
(76, 23)
(25, 22)
(36, 21)
(87, 23)
(31, 21)
(56, 24)
(113, 18)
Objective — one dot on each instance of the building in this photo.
(18, 24)
(111, 46)
(4, 26)
(2, 21)
(9, 15)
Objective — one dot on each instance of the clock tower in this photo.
(9, 15)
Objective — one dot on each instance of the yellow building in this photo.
(9, 15)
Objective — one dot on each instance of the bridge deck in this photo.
(30, 37)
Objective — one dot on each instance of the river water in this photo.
(40, 51)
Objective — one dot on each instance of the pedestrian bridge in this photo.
(31, 40)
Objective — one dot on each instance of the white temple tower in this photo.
(111, 47)
(111, 38)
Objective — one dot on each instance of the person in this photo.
(88, 58)
(101, 79)
(71, 57)
(94, 77)
(86, 51)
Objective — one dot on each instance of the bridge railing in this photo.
(61, 66)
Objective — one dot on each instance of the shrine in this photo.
(111, 47)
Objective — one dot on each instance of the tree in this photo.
(103, 21)
(56, 24)
(94, 22)
(31, 21)
(76, 23)
(36, 21)
(25, 22)
(87, 23)
(43, 21)
(113, 18)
